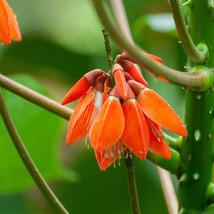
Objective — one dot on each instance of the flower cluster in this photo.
(9, 29)
(119, 112)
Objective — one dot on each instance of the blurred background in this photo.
(62, 40)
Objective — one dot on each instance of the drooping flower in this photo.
(9, 28)
(120, 118)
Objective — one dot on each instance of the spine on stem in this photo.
(197, 150)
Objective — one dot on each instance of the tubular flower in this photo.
(9, 29)
(120, 118)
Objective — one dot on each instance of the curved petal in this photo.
(15, 33)
(136, 135)
(158, 144)
(77, 91)
(125, 55)
(81, 118)
(120, 81)
(136, 74)
(4, 23)
(158, 110)
(108, 125)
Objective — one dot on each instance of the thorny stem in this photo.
(108, 49)
(28, 162)
(188, 80)
(64, 112)
(191, 50)
(132, 185)
(196, 167)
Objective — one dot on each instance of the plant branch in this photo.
(132, 185)
(28, 162)
(121, 18)
(108, 49)
(197, 79)
(168, 190)
(35, 97)
(191, 50)
(171, 165)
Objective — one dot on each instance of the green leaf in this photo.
(40, 131)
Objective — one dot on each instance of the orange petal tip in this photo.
(108, 157)
(158, 143)
(125, 55)
(9, 25)
(120, 81)
(78, 90)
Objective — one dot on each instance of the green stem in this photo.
(174, 143)
(108, 49)
(191, 50)
(28, 162)
(171, 165)
(189, 80)
(132, 185)
(197, 150)
(35, 97)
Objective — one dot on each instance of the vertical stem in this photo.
(183, 33)
(197, 150)
(168, 190)
(132, 185)
(28, 162)
(108, 49)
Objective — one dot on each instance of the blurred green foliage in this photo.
(61, 41)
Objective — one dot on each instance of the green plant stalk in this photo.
(28, 162)
(197, 150)
(191, 50)
(132, 185)
(35, 97)
(108, 49)
(190, 80)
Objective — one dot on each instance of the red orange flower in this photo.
(9, 29)
(129, 117)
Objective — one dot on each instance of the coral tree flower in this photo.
(127, 116)
(9, 29)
